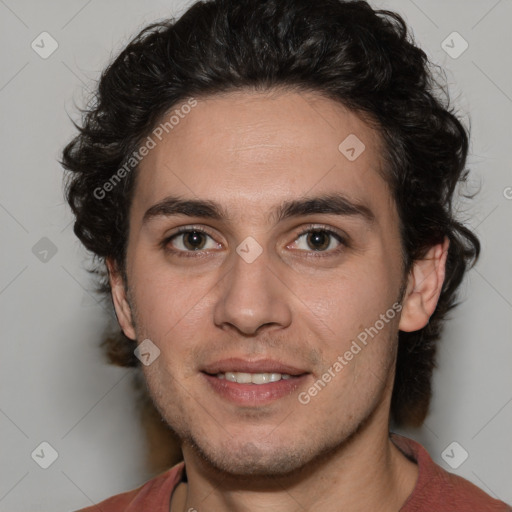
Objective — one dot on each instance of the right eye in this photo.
(188, 240)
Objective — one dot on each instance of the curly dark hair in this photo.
(363, 58)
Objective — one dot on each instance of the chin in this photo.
(249, 460)
(245, 459)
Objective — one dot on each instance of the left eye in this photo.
(320, 240)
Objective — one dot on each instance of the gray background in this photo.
(54, 384)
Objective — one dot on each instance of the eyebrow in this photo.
(335, 204)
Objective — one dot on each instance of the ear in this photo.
(424, 286)
(121, 305)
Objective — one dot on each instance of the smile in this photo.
(253, 378)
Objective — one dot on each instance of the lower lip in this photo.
(254, 394)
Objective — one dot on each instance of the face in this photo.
(294, 261)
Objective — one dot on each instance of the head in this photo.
(307, 151)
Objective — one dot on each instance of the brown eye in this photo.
(320, 240)
(193, 240)
(188, 241)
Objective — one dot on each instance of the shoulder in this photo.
(155, 493)
(437, 489)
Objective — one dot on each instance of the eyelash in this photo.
(310, 229)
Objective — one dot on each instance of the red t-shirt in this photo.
(436, 490)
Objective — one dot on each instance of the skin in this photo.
(251, 151)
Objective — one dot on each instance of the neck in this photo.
(366, 472)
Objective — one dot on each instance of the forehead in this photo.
(249, 151)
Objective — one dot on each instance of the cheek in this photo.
(174, 311)
(353, 299)
(166, 296)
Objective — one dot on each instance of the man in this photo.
(269, 184)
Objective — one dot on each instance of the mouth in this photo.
(253, 383)
(253, 378)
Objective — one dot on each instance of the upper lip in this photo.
(246, 366)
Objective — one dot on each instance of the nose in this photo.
(252, 296)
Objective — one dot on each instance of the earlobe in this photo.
(121, 305)
(424, 286)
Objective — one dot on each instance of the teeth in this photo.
(252, 378)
